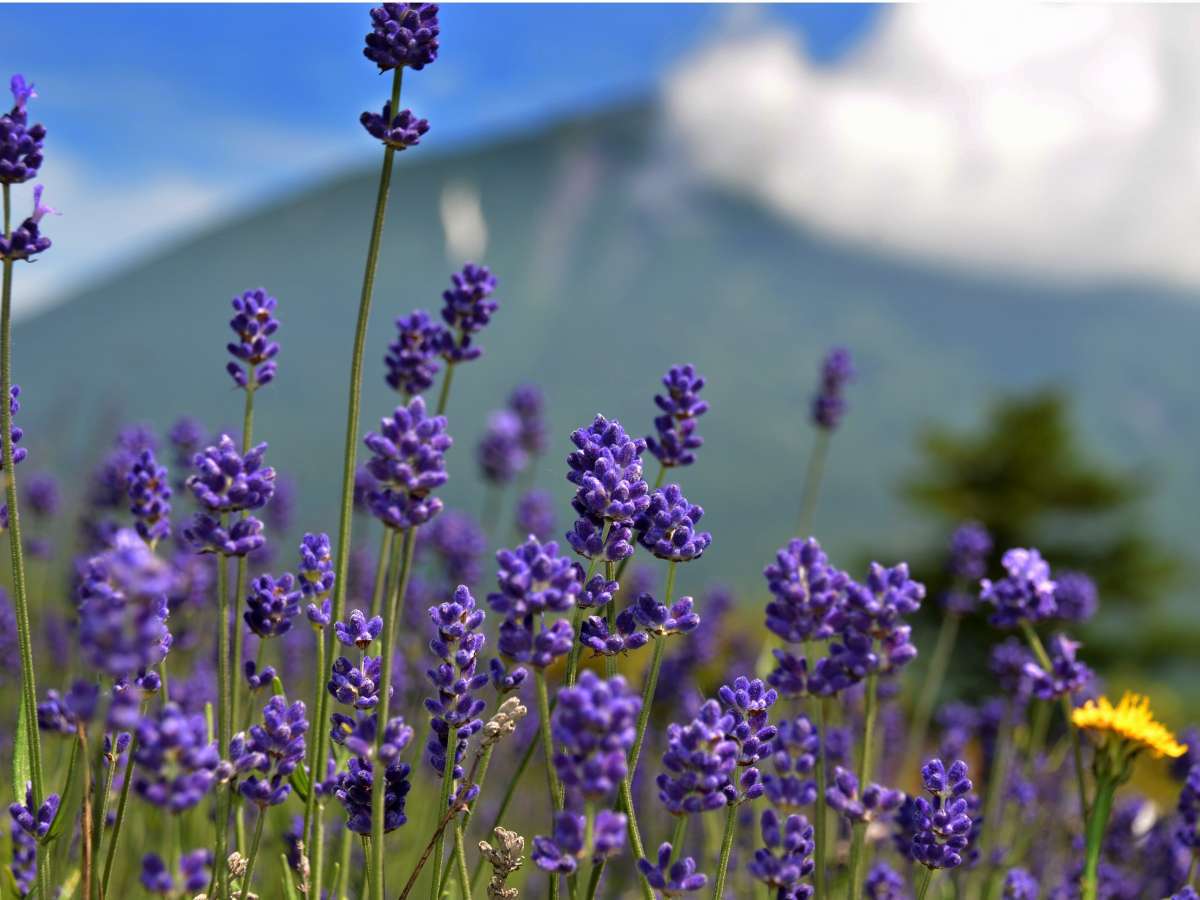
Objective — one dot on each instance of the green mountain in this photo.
(614, 265)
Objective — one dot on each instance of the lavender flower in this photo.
(609, 830)
(360, 631)
(272, 605)
(587, 538)
(828, 405)
(458, 543)
(20, 142)
(1026, 593)
(794, 755)
(356, 686)
(535, 514)
(501, 454)
(256, 678)
(677, 440)
(527, 402)
(27, 240)
(1020, 885)
(208, 535)
(593, 725)
(358, 735)
(41, 491)
(455, 709)
(942, 823)
(35, 823)
(354, 790)
(467, 307)
(176, 763)
(805, 589)
(561, 852)
(874, 802)
(672, 879)
(667, 527)
(412, 357)
(884, 883)
(14, 406)
(970, 546)
(1076, 596)
(24, 858)
(700, 762)
(1066, 675)
(155, 877)
(225, 481)
(505, 680)
(625, 636)
(399, 132)
(787, 856)
(123, 607)
(1188, 831)
(409, 463)
(316, 575)
(661, 620)
(253, 322)
(271, 752)
(62, 714)
(534, 579)
(403, 34)
(150, 493)
(606, 469)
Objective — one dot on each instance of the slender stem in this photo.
(482, 761)
(120, 820)
(239, 630)
(342, 563)
(444, 394)
(439, 845)
(993, 810)
(28, 706)
(1097, 824)
(381, 570)
(224, 720)
(923, 881)
(86, 824)
(1043, 658)
(726, 848)
(103, 788)
(543, 699)
(254, 843)
(812, 482)
(428, 851)
(610, 615)
(403, 544)
(460, 854)
(943, 650)
(660, 644)
(577, 617)
(859, 833)
(342, 879)
(820, 835)
(678, 835)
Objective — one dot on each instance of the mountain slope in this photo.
(613, 266)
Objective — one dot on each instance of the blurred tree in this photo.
(1026, 477)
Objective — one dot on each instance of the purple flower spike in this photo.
(27, 240)
(455, 709)
(829, 405)
(1026, 593)
(155, 876)
(794, 756)
(787, 856)
(884, 883)
(606, 469)
(356, 686)
(412, 357)
(37, 823)
(20, 142)
(320, 616)
(403, 34)
(271, 752)
(207, 535)
(677, 440)
(176, 763)
(661, 620)
(316, 574)
(409, 463)
(594, 633)
(354, 790)
(1020, 885)
(942, 823)
(398, 132)
(258, 679)
(672, 879)
(501, 455)
(150, 493)
(667, 527)
(537, 645)
(597, 593)
(700, 762)
(359, 631)
(806, 590)
(226, 481)
(609, 830)
(534, 579)
(535, 514)
(358, 736)
(529, 405)
(875, 801)
(467, 307)
(1066, 676)
(586, 538)
(272, 604)
(506, 680)
(1076, 596)
(14, 406)
(561, 852)
(253, 322)
(593, 725)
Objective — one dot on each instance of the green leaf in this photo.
(22, 771)
(289, 883)
(300, 782)
(277, 686)
(61, 818)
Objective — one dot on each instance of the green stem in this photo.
(460, 854)
(239, 590)
(439, 844)
(543, 699)
(485, 760)
(127, 781)
(648, 690)
(726, 849)
(812, 482)
(923, 881)
(678, 835)
(444, 393)
(100, 812)
(224, 720)
(401, 571)
(943, 650)
(28, 707)
(345, 516)
(859, 834)
(381, 568)
(577, 618)
(1097, 824)
(254, 844)
(820, 834)
(993, 810)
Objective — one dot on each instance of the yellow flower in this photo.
(1130, 719)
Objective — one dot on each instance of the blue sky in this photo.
(166, 118)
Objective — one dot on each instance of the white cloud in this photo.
(1054, 140)
(463, 223)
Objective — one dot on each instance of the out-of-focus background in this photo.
(998, 211)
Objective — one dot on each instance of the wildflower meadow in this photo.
(370, 714)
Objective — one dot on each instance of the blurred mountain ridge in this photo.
(614, 263)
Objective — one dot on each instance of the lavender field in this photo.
(475, 653)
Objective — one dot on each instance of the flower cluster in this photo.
(1066, 675)
(606, 469)
(467, 308)
(270, 752)
(253, 322)
(408, 464)
(411, 358)
(672, 878)
(20, 142)
(194, 868)
(27, 240)
(316, 575)
(272, 605)
(35, 823)
(1075, 596)
(501, 454)
(970, 546)
(176, 762)
(534, 580)
(593, 725)
(943, 823)
(829, 406)
(676, 442)
(399, 132)
(667, 527)
(150, 493)
(794, 755)
(403, 35)
(455, 709)
(535, 514)
(527, 402)
(561, 852)
(1026, 593)
(787, 856)
(873, 803)
(355, 787)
